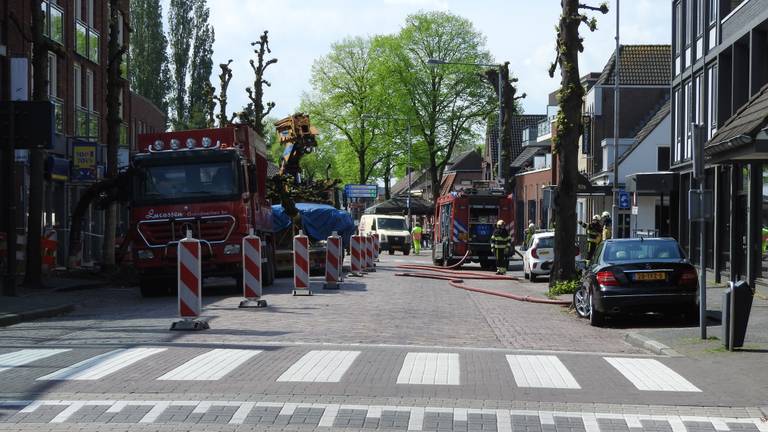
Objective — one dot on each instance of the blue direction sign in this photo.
(361, 191)
(624, 203)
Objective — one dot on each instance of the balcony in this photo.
(742, 17)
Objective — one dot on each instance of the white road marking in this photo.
(416, 421)
(23, 357)
(155, 412)
(430, 368)
(590, 423)
(211, 366)
(651, 375)
(541, 371)
(320, 366)
(503, 421)
(329, 416)
(67, 412)
(242, 413)
(102, 365)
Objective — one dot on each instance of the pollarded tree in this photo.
(256, 111)
(569, 128)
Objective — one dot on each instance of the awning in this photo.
(745, 135)
(585, 188)
(652, 183)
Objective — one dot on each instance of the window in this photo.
(78, 87)
(712, 11)
(52, 75)
(53, 26)
(87, 39)
(689, 21)
(123, 135)
(678, 27)
(687, 121)
(677, 130)
(89, 90)
(662, 158)
(698, 96)
(87, 120)
(712, 101)
(700, 17)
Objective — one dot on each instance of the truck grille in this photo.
(398, 240)
(213, 229)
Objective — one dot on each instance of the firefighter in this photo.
(500, 242)
(594, 235)
(529, 232)
(416, 236)
(607, 222)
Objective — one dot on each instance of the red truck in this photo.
(465, 220)
(211, 182)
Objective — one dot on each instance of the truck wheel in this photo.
(407, 251)
(153, 287)
(391, 251)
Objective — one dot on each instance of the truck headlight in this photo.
(232, 249)
(145, 254)
(407, 239)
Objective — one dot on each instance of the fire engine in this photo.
(210, 183)
(465, 221)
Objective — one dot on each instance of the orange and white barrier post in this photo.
(356, 255)
(376, 247)
(333, 261)
(190, 285)
(301, 265)
(252, 276)
(50, 245)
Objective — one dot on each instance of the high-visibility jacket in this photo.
(500, 239)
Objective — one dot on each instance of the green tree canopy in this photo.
(201, 66)
(180, 23)
(149, 73)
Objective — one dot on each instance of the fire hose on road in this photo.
(456, 279)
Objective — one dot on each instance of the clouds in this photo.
(519, 31)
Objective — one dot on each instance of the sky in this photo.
(519, 31)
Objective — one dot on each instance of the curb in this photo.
(11, 319)
(640, 341)
(81, 287)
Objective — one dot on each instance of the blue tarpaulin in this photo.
(318, 221)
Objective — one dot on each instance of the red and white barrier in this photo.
(369, 265)
(301, 265)
(252, 275)
(356, 255)
(333, 260)
(376, 247)
(190, 283)
(49, 246)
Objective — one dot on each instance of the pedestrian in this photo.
(607, 226)
(594, 235)
(416, 237)
(500, 243)
(529, 232)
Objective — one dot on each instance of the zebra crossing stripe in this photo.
(26, 356)
(102, 365)
(651, 375)
(211, 366)
(320, 366)
(430, 368)
(541, 371)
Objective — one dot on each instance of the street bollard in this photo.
(356, 256)
(301, 265)
(376, 247)
(333, 261)
(252, 282)
(190, 284)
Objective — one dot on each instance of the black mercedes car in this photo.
(637, 275)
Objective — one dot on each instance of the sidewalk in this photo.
(688, 340)
(54, 300)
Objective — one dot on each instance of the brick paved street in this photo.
(384, 352)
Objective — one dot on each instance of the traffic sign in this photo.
(624, 200)
(361, 191)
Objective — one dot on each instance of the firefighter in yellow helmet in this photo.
(594, 235)
(605, 220)
(500, 244)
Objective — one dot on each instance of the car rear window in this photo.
(641, 250)
(546, 242)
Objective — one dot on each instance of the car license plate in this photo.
(653, 276)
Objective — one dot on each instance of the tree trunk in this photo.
(361, 163)
(32, 276)
(567, 145)
(114, 88)
(434, 176)
(387, 178)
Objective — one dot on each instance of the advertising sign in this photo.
(84, 161)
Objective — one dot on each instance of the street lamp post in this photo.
(617, 68)
(435, 62)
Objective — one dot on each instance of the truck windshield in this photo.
(391, 224)
(199, 180)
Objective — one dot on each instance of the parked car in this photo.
(637, 275)
(392, 230)
(539, 255)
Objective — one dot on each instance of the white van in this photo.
(392, 230)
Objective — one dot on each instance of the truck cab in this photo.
(208, 183)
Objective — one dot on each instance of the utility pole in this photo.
(616, 113)
(500, 176)
(408, 200)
